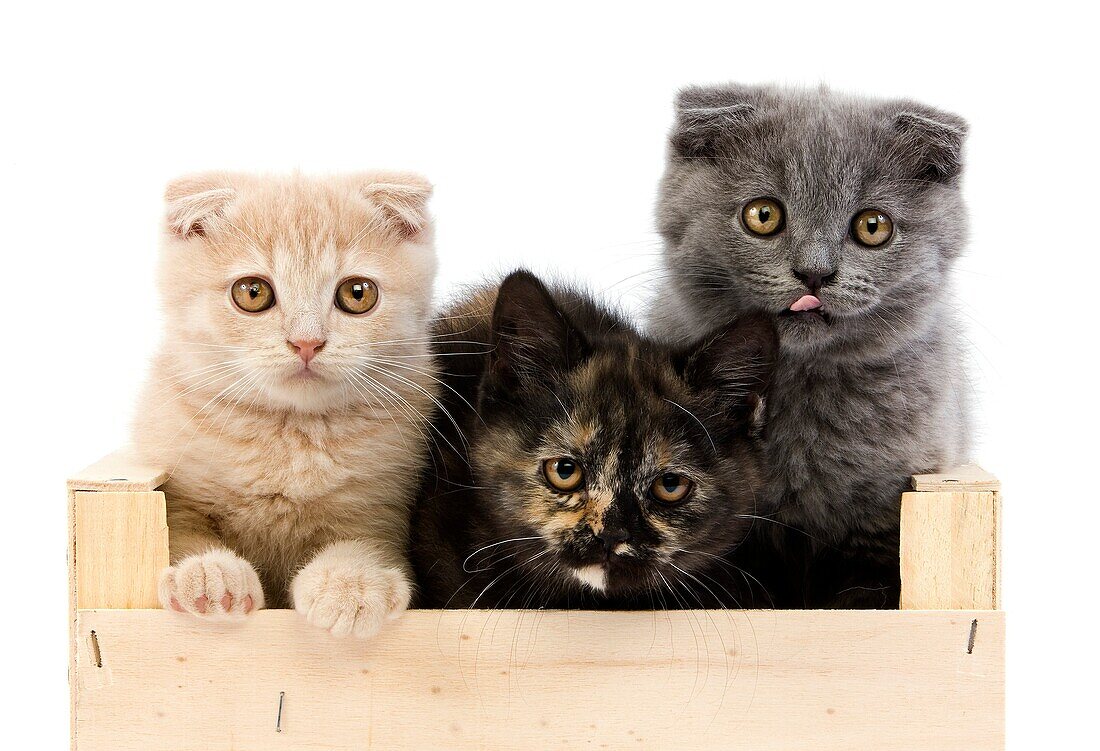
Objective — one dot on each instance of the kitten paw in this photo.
(347, 598)
(215, 584)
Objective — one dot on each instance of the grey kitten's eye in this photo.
(357, 296)
(872, 228)
(252, 294)
(763, 216)
(671, 488)
(563, 474)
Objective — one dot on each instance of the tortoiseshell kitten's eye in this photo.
(252, 294)
(763, 216)
(671, 488)
(357, 296)
(564, 474)
(872, 228)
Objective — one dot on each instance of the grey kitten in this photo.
(841, 217)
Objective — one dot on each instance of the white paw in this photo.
(215, 584)
(350, 595)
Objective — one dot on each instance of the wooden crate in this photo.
(929, 676)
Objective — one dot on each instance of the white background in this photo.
(543, 127)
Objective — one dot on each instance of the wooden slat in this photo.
(119, 471)
(950, 550)
(120, 547)
(762, 680)
(967, 477)
(71, 561)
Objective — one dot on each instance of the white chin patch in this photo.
(594, 577)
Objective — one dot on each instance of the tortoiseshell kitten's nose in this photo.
(612, 537)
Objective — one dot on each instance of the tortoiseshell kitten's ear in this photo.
(735, 365)
(531, 335)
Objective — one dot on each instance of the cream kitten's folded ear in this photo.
(194, 201)
(402, 198)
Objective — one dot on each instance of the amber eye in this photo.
(872, 228)
(764, 216)
(357, 296)
(671, 488)
(252, 294)
(563, 474)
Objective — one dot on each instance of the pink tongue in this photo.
(806, 302)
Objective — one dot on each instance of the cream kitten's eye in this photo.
(872, 228)
(357, 296)
(671, 488)
(763, 216)
(563, 474)
(252, 294)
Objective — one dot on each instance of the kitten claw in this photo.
(216, 584)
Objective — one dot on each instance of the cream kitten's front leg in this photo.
(352, 587)
(208, 579)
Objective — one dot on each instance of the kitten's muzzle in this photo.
(611, 538)
(815, 277)
(815, 270)
(591, 548)
(814, 264)
(306, 349)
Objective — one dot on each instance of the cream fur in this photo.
(280, 483)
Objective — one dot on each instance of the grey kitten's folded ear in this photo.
(402, 199)
(708, 115)
(531, 335)
(735, 365)
(929, 141)
(195, 202)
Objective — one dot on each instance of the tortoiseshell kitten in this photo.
(586, 465)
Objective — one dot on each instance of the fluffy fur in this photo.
(552, 374)
(291, 482)
(872, 390)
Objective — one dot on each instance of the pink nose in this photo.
(307, 349)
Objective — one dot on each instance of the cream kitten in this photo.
(290, 395)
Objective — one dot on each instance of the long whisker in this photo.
(439, 405)
(425, 373)
(493, 545)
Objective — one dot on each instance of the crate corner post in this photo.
(950, 541)
(117, 546)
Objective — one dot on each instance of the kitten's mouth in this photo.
(807, 308)
(593, 576)
(305, 373)
(598, 571)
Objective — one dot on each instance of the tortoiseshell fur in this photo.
(532, 375)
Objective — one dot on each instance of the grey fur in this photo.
(879, 392)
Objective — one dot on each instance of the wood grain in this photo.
(761, 680)
(966, 477)
(120, 545)
(950, 550)
(118, 472)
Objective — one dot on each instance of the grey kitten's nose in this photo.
(815, 278)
